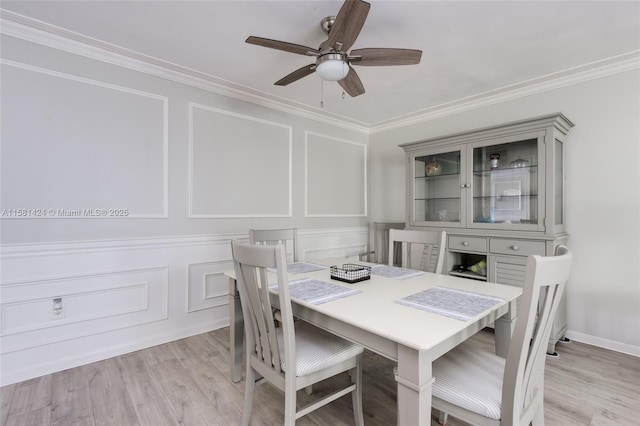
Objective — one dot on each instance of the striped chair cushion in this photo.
(317, 349)
(470, 378)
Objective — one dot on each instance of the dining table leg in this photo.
(415, 382)
(503, 328)
(236, 328)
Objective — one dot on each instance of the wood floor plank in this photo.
(31, 395)
(147, 397)
(71, 399)
(6, 395)
(210, 381)
(220, 339)
(157, 354)
(109, 396)
(206, 347)
(210, 346)
(189, 403)
(38, 417)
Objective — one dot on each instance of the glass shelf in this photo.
(482, 173)
(437, 198)
(440, 176)
(504, 197)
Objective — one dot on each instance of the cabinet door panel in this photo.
(507, 189)
(435, 178)
(507, 270)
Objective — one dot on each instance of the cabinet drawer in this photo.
(467, 243)
(516, 247)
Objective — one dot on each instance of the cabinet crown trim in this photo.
(558, 120)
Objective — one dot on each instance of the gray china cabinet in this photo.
(498, 193)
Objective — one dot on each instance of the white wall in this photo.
(602, 194)
(80, 133)
(182, 169)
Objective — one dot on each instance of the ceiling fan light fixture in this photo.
(332, 67)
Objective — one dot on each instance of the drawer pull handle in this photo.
(465, 243)
(515, 247)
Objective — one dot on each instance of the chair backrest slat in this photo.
(287, 237)
(380, 232)
(523, 382)
(423, 250)
(251, 263)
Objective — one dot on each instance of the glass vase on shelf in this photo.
(518, 163)
(494, 160)
(433, 168)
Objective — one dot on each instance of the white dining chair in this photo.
(423, 250)
(293, 355)
(482, 388)
(379, 242)
(287, 237)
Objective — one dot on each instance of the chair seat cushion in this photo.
(471, 378)
(317, 349)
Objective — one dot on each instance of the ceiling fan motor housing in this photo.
(327, 23)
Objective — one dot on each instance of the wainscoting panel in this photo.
(208, 286)
(121, 296)
(51, 310)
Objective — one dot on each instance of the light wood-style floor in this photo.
(186, 382)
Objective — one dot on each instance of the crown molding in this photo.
(603, 68)
(42, 33)
(28, 29)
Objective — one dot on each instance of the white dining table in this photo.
(412, 337)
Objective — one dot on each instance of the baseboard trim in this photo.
(604, 343)
(87, 358)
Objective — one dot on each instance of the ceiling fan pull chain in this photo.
(343, 94)
(321, 93)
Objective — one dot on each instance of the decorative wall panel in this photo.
(240, 166)
(208, 286)
(81, 148)
(60, 309)
(336, 176)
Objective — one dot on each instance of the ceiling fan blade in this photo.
(384, 56)
(352, 84)
(348, 24)
(283, 45)
(296, 75)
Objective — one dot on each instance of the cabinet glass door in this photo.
(437, 195)
(505, 184)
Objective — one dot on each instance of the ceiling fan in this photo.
(333, 63)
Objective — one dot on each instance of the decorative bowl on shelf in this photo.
(433, 168)
(519, 163)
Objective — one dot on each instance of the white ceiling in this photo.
(470, 48)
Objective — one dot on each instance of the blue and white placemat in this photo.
(452, 303)
(394, 272)
(303, 267)
(317, 292)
